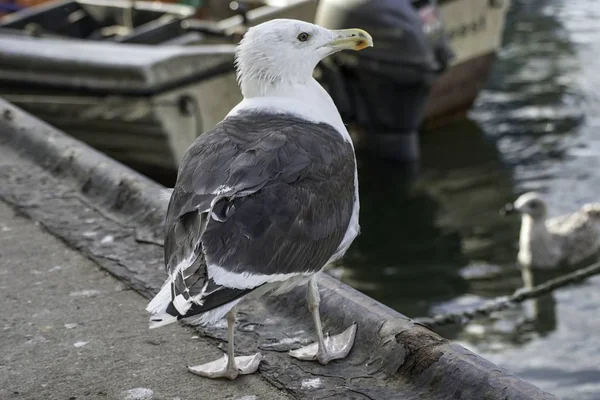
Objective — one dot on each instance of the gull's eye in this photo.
(303, 37)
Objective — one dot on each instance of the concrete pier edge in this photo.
(392, 357)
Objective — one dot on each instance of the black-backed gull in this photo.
(266, 198)
(548, 242)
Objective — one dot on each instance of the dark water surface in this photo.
(436, 242)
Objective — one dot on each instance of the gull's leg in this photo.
(229, 366)
(327, 348)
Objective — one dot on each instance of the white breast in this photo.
(309, 101)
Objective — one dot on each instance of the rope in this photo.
(505, 302)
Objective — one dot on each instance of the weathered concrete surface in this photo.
(83, 197)
(72, 331)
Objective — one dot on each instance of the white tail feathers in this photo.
(161, 301)
(158, 307)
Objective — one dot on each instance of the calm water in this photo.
(437, 243)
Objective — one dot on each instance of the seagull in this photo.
(266, 198)
(548, 242)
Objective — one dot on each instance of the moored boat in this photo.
(129, 89)
(474, 29)
(145, 111)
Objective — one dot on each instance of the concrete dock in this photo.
(106, 217)
(72, 331)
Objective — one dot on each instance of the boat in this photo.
(474, 29)
(145, 110)
(130, 89)
(430, 60)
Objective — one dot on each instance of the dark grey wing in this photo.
(256, 197)
(297, 219)
(202, 170)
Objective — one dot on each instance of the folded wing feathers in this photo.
(229, 162)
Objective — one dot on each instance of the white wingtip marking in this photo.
(246, 280)
(181, 304)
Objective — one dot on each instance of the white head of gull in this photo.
(266, 198)
(275, 63)
(546, 242)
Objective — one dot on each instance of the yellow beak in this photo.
(351, 39)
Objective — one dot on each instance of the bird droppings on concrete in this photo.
(120, 287)
(107, 239)
(55, 268)
(85, 293)
(311, 383)
(36, 340)
(80, 344)
(249, 327)
(136, 394)
(70, 326)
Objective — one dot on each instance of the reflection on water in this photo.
(435, 242)
(420, 233)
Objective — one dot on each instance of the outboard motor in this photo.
(382, 91)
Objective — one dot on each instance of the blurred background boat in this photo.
(145, 110)
(475, 29)
(118, 78)
(428, 65)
